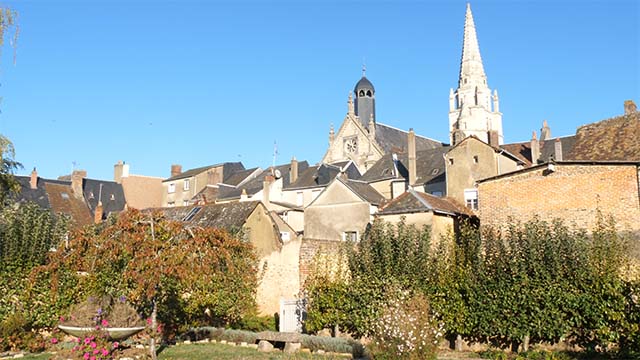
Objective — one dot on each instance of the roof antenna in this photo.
(275, 154)
(364, 67)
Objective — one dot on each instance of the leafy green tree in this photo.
(8, 165)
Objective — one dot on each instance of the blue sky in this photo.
(201, 82)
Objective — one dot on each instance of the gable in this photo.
(336, 193)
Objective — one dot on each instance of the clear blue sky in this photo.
(202, 82)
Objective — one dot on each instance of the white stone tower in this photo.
(473, 110)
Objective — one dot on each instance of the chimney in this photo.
(176, 170)
(33, 182)
(535, 149)
(120, 170)
(243, 195)
(97, 215)
(557, 150)
(411, 145)
(545, 132)
(266, 186)
(629, 107)
(76, 182)
(293, 176)
(493, 138)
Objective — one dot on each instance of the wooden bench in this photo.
(289, 341)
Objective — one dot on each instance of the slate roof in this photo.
(522, 150)
(395, 140)
(228, 168)
(413, 201)
(617, 138)
(364, 190)
(237, 177)
(54, 195)
(430, 166)
(254, 185)
(323, 174)
(229, 216)
(110, 192)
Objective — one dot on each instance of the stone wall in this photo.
(319, 253)
(278, 278)
(572, 192)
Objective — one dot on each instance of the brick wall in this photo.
(573, 192)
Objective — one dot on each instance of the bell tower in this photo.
(365, 102)
(473, 109)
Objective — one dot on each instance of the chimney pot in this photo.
(535, 149)
(120, 170)
(176, 170)
(33, 182)
(97, 215)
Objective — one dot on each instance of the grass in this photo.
(219, 351)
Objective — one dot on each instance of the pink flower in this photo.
(87, 341)
(96, 352)
(61, 318)
(92, 358)
(105, 352)
(54, 340)
(105, 323)
(115, 345)
(148, 321)
(93, 345)
(86, 356)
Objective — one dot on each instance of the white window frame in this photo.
(300, 198)
(471, 198)
(186, 185)
(171, 188)
(285, 236)
(350, 235)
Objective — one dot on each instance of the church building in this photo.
(364, 140)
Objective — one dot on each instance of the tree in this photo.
(8, 165)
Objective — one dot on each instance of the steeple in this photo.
(473, 109)
(471, 68)
(365, 102)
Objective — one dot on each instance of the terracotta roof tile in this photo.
(617, 138)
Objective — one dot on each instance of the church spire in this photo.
(473, 110)
(471, 69)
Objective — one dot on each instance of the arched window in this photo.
(369, 93)
(361, 93)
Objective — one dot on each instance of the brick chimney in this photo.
(97, 214)
(33, 182)
(557, 150)
(293, 176)
(535, 149)
(629, 107)
(545, 131)
(411, 147)
(120, 170)
(76, 182)
(494, 139)
(266, 186)
(176, 170)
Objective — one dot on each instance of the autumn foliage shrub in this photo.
(192, 277)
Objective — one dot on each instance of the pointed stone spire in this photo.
(332, 135)
(471, 68)
(452, 101)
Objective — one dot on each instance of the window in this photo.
(185, 202)
(475, 159)
(361, 93)
(112, 197)
(299, 198)
(437, 193)
(171, 204)
(315, 193)
(450, 161)
(186, 185)
(172, 188)
(369, 93)
(64, 195)
(350, 236)
(285, 236)
(471, 198)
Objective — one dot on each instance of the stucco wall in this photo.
(328, 222)
(262, 232)
(572, 193)
(440, 225)
(279, 277)
(314, 253)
